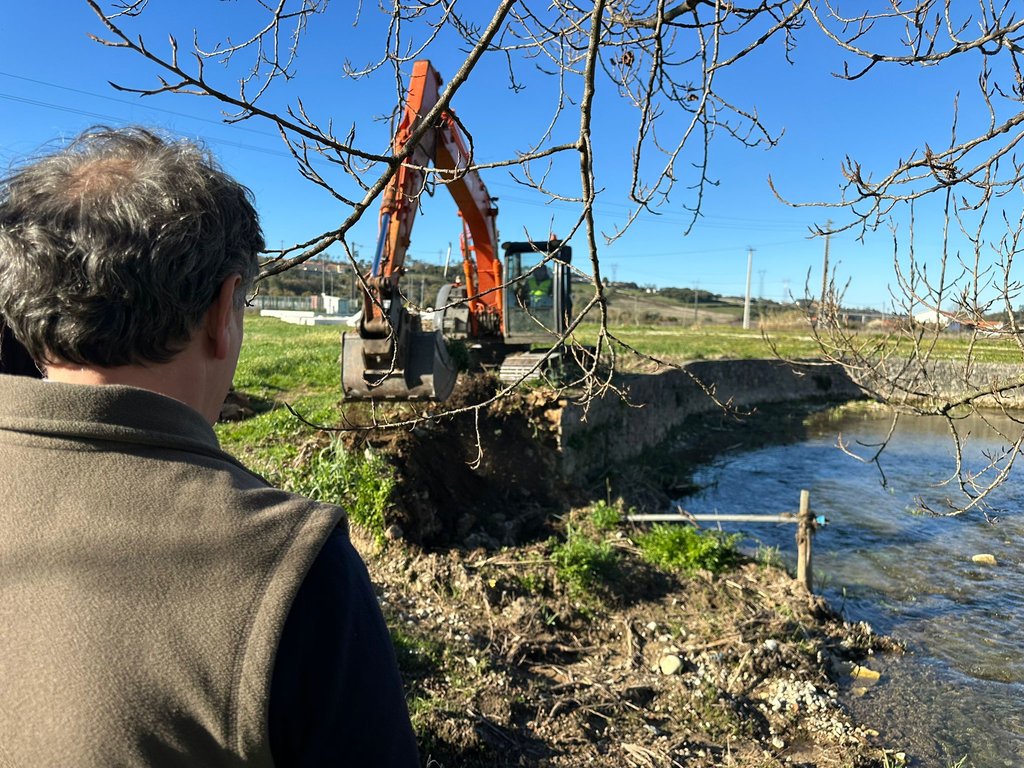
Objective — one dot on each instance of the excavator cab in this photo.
(538, 292)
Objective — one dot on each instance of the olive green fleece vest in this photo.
(145, 577)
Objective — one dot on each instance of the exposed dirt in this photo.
(476, 480)
(509, 665)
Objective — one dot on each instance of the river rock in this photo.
(984, 559)
(670, 664)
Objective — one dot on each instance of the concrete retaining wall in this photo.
(944, 380)
(612, 429)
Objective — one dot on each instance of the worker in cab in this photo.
(538, 288)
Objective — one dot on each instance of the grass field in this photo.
(714, 342)
(283, 363)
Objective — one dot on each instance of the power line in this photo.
(121, 120)
(606, 208)
(133, 105)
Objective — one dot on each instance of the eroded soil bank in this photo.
(509, 664)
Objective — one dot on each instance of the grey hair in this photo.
(113, 248)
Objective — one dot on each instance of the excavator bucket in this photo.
(422, 369)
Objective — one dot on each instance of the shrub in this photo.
(682, 548)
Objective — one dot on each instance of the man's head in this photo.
(113, 249)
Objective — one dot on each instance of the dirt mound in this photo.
(509, 664)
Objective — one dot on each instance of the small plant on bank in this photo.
(682, 548)
(769, 557)
(417, 656)
(583, 563)
(360, 482)
(605, 517)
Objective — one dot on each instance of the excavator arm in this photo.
(391, 357)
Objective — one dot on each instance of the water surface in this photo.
(960, 688)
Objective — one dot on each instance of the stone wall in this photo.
(613, 429)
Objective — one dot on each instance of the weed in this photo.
(531, 583)
(360, 483)
(605, 517)
(459, 354)
(769, 557)
(417, 656)
(583, 563)
(894, 759)
(682, 548)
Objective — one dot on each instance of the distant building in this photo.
(943, 320)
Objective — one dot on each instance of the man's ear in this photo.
(220, 314)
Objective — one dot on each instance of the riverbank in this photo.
(509, 662)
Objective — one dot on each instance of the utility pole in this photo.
(696, 290)
(746, 303)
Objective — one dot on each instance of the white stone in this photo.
(670, 664)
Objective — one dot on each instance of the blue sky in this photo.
(53, 83)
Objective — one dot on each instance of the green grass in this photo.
(605, 517)
(362, 482)
(282, 363)
(677, 547)
(677, 344)
(583, 563)
(279, 357)
(298, 365)
(680, 343)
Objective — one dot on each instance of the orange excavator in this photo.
(500, 307)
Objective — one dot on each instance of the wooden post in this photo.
(804, 537)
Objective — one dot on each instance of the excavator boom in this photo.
(392, 357)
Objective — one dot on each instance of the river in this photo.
(959, 690)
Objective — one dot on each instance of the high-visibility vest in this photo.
(538, 288)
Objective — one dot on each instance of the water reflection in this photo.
(958, 691)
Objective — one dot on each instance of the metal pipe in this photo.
(782, 517)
